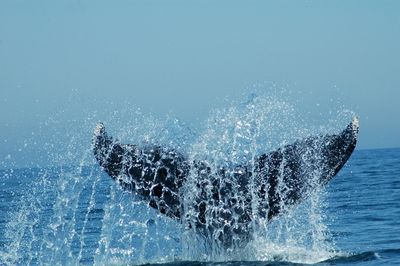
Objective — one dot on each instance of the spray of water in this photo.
(234, 137)
(75, 214)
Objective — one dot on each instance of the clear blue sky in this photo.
(180, 56)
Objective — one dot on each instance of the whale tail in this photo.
(282, 178)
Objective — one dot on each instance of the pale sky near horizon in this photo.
(181, 56)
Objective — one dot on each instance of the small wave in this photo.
(365, 256)
(337, 260)
(229, 263)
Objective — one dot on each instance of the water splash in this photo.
(234, 137)
(77, 215)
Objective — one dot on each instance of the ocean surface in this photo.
(78, 215)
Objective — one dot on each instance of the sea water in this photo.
(73, 213)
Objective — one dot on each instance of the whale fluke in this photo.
(223, 204)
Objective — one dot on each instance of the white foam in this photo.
(355, 124)
(98, 129)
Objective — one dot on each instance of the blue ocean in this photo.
(77, 215)
(73, 213)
